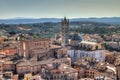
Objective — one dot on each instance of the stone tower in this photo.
(65, 30)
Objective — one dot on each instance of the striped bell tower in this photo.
(65, 30)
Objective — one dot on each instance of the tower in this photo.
(65, 30)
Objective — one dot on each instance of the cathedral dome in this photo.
(77, 37)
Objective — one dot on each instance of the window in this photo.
(90, 72)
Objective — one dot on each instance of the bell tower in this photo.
(65, 30)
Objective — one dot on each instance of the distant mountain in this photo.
(28, 20)
(108, 20)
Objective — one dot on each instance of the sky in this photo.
(59, 8)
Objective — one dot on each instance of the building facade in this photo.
(34, 67)
(32, 48)
(77, 54)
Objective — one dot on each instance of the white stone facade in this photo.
(77, 54)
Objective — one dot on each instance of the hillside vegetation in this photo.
(48, 29)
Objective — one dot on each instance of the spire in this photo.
(65, 21)
(65, 18)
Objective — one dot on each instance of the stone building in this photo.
(36, 47)
(34, 67)
(9, 48)
(84, 64)
(91, 73)
(9, 51)
(89, 45)
(77, 54)
(7, 66)
(7, 70)
(62, 52)
(61, 72)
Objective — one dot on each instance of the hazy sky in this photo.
(59, 8)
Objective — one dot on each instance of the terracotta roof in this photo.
(56, 71)
(37, 40)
